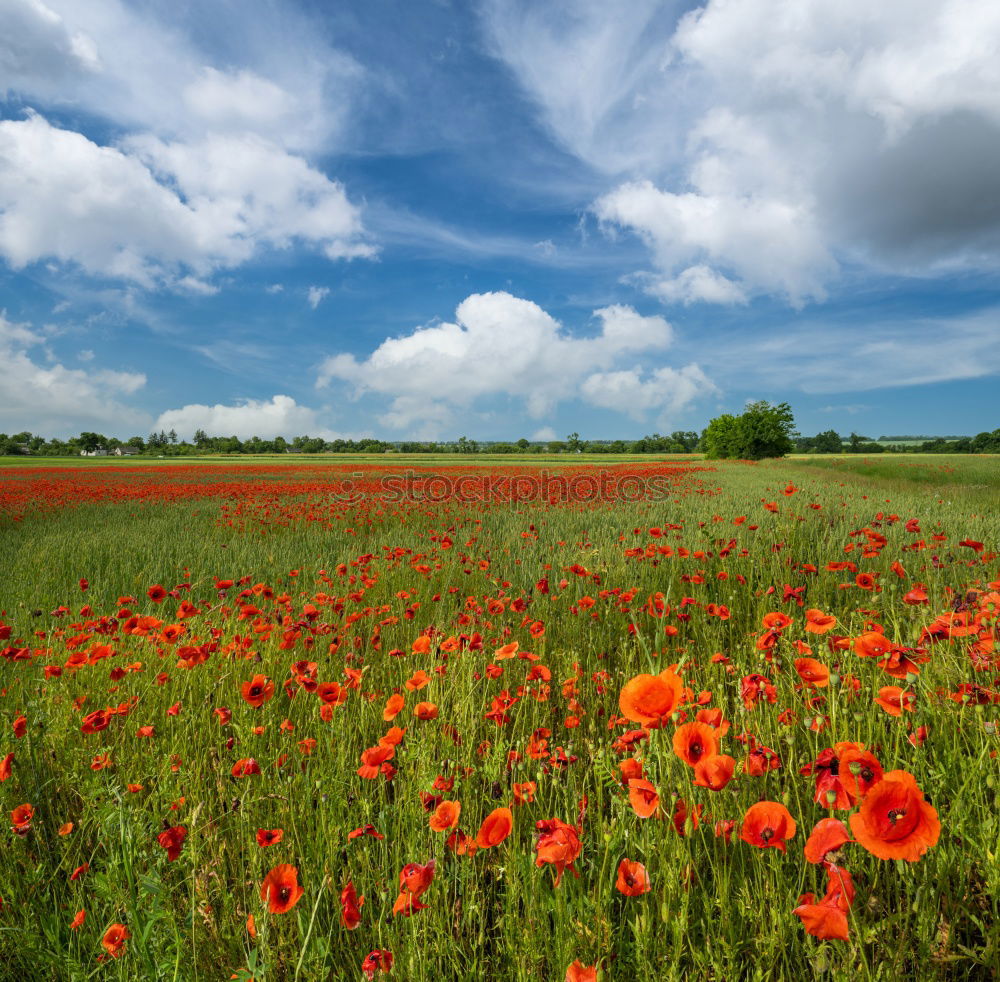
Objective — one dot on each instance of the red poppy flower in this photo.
(20, 819)
(393, 705)
(578, 972)
(827, 919)
(172, 840)
(633, 880)
(77, 922)
(819, 623)
(114, 940)
(714, 772)
(643, 797)
(558, 844)
(445, 815)
(350, 907)
(894, 700)
(828, 836)
(245, 767)
(157, 594)
(280, 889)
(269, 837)
(377, 961)
(767, 825)
(495, 828)
(651, 699)
(894, 821)
(693, 741)
(425, 711)
(257, 691)
(813, 672)
(5, 767)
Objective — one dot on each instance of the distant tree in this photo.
(89, 442)
(761, 430)
(574, 443)
(523, 444)
(172, 436)
(828, 442)
(721, 438)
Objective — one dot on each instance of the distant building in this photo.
(96, 452)
(126, 451)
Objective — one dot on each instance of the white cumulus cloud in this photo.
(150, 208)
(213, 161)
(41, 395)
(501, 347)
(267, 418)
(761, 147)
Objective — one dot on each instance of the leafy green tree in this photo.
(828, 442)
(574, 443)
(761, 430)
(721, 438)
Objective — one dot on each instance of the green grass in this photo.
(717, 910)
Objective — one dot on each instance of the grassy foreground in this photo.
(140, 603)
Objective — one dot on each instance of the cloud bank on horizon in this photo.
(636, 214)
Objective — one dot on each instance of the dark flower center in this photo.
(896, 814)
(767, 834)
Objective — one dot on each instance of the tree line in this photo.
(762, 430)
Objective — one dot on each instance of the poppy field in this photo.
(416, 721)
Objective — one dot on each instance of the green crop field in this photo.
(542, 715)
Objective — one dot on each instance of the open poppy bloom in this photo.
(633, 880)
(269, 837)
(768, 824)
(894, 700)
(377, 961)
(714, 772)
(414, 880)
(558, 844)
(245, 767)
(819, 623)
(651, 699)
(114, 940)
(827, 919)
(894, 821)
(693, 741)
(643, 797)
(393, 706)
(20, 819)
(578, 972)
(495, 828)
(172, 840)
(425, 710)
(280, 889)
(257, 691)
(813, 672)
(446, 816)
(828, 836)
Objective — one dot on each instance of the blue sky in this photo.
(498, 218)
